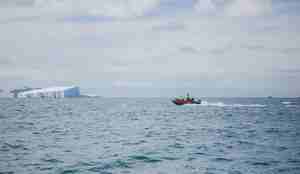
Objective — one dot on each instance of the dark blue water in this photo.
(151, 136)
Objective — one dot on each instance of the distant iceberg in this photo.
(53, 92)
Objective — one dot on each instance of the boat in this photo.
(187, 100)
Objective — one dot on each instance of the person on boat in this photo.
(188, 98)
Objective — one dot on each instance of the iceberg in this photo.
(52, 92)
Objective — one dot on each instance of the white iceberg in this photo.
(53, 92)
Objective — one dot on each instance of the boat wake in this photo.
(221, 104)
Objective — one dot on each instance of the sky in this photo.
(152, 48)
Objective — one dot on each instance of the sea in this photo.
(149, 136)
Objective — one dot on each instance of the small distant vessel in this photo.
(187, 100)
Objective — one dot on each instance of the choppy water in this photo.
(153, 136)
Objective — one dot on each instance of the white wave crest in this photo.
(290, 104)
(286, 102)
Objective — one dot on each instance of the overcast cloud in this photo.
(152, 47)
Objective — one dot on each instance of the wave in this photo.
(290, 103)
(291, 106)
(287, 102)
(221, 104)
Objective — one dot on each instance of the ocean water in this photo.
(150, 136)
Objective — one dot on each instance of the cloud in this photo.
(6, 62)
(205, 6)
(189, 49)
(18, 10)
(107, 10)
(253, 47)
(290, 50)
(169, 27)
(119, 8)
(248, 7)
(16, 3)
(111, 8)
(290, 70)
(128, 49)
(218, 51)
(133, 84)
(234, 7)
